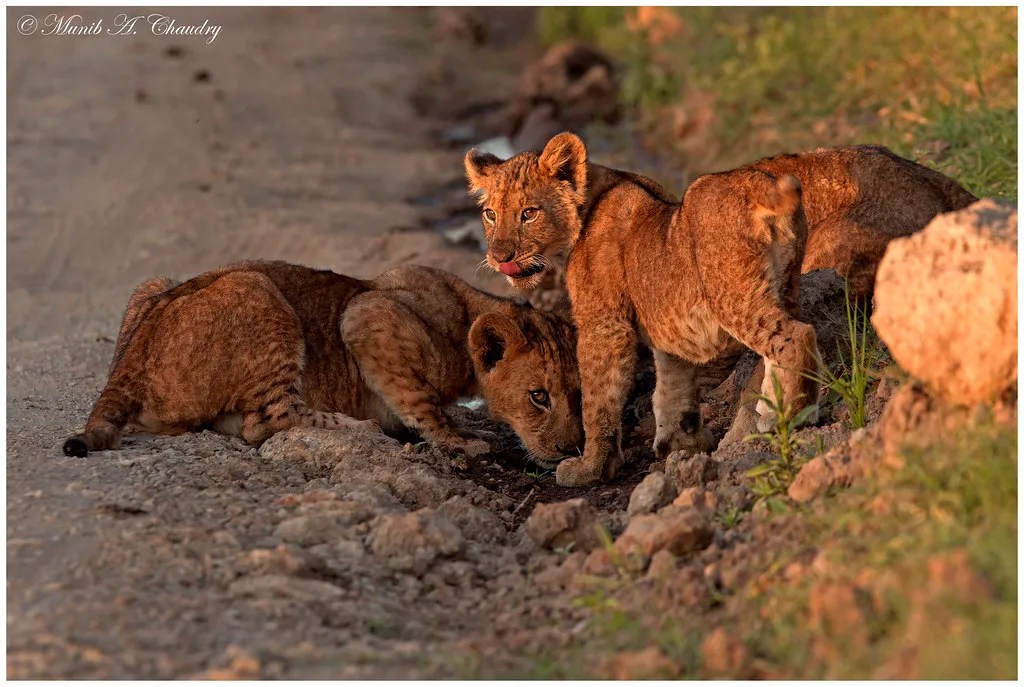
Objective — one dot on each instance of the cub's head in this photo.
(531, 205)
(525, 361)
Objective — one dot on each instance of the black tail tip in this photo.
(76, 448)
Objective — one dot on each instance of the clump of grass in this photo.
(851, 375)
(729, 517)
(955, 496)
(772, 478)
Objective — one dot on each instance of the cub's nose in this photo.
(502, 256)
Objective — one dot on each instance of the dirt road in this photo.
(290, 136)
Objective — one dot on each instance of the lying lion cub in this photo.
(257, 347)
(691, 281)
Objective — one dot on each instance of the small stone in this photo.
(475, 523)
(695, 497)
(722, 655)
(558, 525)
(680, 531)
(310, 530)
(599, 564)
(424, 536)
(698, 471)
(647, 664)
(663, 564)
(655, 491)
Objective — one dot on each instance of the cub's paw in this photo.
(743, 425)
(700, 441)
(577, 472)
(613, 464)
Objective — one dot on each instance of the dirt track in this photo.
(291, 136)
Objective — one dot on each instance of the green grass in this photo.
(773, 477)
(955, 494)
(934, 83)
(855, 369)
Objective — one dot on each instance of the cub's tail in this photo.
(784, 216)
(115, 407)
(780, 222)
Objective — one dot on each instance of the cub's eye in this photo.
(530, 214)
(490, 216)
(540, 397)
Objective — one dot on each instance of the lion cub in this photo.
(257, 347)
(690, 280)
(699, 280)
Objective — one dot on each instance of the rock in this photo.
(317, 451)
(345, 513)
(655, 491)
(814, 479)
(239, 665)
(695, 497)
(557, 525)
(283, 560)
(663, 564)
(946, 302)
(599, 564)
(647, 664)
(285, 586)
(678, 530)
(474, 523)
(697, 471)
(722, 655)
(310, 530)
(415, 484)
(842, 466)
(415, 540)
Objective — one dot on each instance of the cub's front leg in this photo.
(399, 360)
(606, 352)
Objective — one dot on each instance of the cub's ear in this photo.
(491, 338)
(478, 168)
(565, 158)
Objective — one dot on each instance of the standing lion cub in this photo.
(692, 280)
(696, 280)
(258, 347)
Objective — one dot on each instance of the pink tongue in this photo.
(509, 268)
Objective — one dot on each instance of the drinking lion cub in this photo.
(258, 347)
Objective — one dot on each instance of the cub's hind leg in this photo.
(118, 402)
(679, 387)
(402, 361)
(677, 407)
(139, 305)
(289, 410)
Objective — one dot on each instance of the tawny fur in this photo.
(698, 281)
(258, 347)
